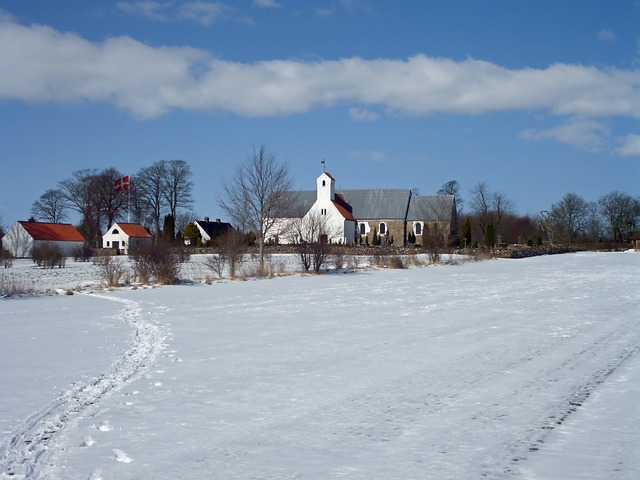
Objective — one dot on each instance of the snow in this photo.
(497, 369)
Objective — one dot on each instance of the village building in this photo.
(354, 216)
(210, 230)
(122, 237)
(23, 237)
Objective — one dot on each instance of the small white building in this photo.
(23, 237)
(327, 215)
(124, 236)
(334, 212)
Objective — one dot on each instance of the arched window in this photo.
(383, 228)
(115, 231)
(418, 228)
(323, 183)
(363, 229)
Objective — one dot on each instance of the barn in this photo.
(23, 237)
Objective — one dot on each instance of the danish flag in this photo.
(122, 184)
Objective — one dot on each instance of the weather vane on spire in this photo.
(324, 167)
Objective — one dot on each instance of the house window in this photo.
(418, 228)
(383, 228)
(115, 231)
(323, 211)
(108, 244)
(363, 229)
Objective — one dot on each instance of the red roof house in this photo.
(123, 236)
(22, 237)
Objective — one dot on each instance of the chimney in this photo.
(206, 219)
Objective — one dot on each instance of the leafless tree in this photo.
(452, 187)
(311, 234)
(110, 202)
(436, 231)
(79, 194)
(51, 206)
(255, 198)
(176, 187)
(489, 208)
(149, 184)
(569, 217)
(621, 212)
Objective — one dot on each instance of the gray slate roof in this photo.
(382, 204)
(430, 208)
(377, 203)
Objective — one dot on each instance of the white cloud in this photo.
(204, 13)
(630, 146)
(607, 35)
(266, 4)
(146, 8)
(586, 134)
(40, 64)
(363, 114)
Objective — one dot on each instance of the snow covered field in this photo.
(499, 369)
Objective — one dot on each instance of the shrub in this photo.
(159, 263)
(48, 256)
(83, 254)
(111, 269)
(6, 258)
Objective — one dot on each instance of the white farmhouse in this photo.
(23, 237)
(124, 236)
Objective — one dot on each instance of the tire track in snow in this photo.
(37, 439)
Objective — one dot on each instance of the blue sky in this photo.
(535, 98)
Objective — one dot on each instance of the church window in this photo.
(383, 228)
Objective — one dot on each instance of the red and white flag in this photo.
(122, 184)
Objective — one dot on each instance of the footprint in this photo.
(121, 456)
(87, 441)
(104, 426)
(97, 475)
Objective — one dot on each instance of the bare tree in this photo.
(51, 206)
(438, 212)
(255, 198)
(569, 217)
(149, 184)
(109, 200)
(176, 187)
(79, 194)
(452, 187)
(621, 212)
(311, 233)
(490, 209)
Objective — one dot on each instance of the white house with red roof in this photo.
(124, 236)
(23, 237)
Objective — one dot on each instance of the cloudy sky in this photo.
(535, 98)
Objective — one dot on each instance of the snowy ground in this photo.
(499, 369)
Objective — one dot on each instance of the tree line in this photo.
(161, 194)
(156, 197)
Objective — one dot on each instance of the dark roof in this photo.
(214, 229)
(431, 208)
(383, 204)
(380, 204)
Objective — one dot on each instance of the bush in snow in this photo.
(159, 263)
(6, 258)
(49, 256)
(111, 269)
